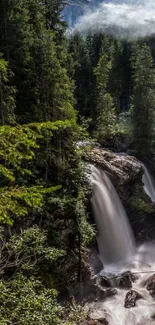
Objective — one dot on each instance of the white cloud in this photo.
(125, 19)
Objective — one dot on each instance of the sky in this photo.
(126, 18)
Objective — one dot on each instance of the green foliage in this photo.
(36, 51)
(125, 123)
(106, 116)
(106, 121)
(77, 315)
(143, 100)
(43, 215)
(30, 195)
(82, 73)
(7, 94)
(102, 73)
(27, 251)
(141, 204)
(25, 259)
(18, 145)
(27, 302)
(85, 229)
(17, 202)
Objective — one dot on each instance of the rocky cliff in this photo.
(126, 174)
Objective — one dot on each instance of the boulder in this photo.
(131, 297)
(104, 282)
(123, 281)
(151, 283)
(96, 293)
(126, 280)
(95, 322)
(150, 286)
(110, 292)
(93, 292)
(96, 312)
(97, 289)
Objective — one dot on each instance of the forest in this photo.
(57, 90)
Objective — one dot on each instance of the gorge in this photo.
(119, 254)
(77, 162)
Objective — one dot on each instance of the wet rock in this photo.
(95, 322)
(123, 168)
(126, 280)
(111, 292)
(151, 286)
(153, 317)
(104, 282)
(96, 313)
(99, 294)
(126, 174)
(103, 322)
(151, 283)
(94, 291)
(91, 291)
(131, 297)
(94, 260)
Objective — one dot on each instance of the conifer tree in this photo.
(82, 73)
(44, 90)
(143, 100)
(105, 115)
(7, 95)
(54, 21)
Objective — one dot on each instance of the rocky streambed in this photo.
(124, 293)
(125, 298)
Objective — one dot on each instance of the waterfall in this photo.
(114, 235)
(116, 245)
(149, 184)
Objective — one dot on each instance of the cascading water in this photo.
(116, 244)
(115, 239)
(149, 184)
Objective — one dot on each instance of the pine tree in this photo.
(44, 89)
(7, 95)
(82, 73)
(143, 100)
(105, 115)
(54, 21)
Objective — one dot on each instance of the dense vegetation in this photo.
(53, 90)
(115, 87)
(43, 220)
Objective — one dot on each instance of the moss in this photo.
(141, 203)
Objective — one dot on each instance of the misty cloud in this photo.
(124, 19)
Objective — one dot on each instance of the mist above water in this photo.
(129, 19)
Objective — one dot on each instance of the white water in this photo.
(149, 184)
(113, 308)
(124, 18)
(115, 239)
(118, 253)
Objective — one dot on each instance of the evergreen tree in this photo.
(105, 115)
(7, 93)
(143, 100)
(44, 90)
(82, 73)
(118, 51)
(54, 19)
